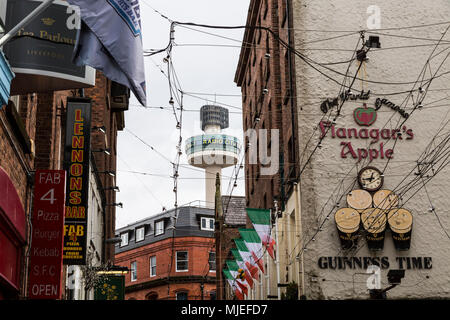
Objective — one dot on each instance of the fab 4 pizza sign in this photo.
(377, 138)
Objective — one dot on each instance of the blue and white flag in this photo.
(110, 40)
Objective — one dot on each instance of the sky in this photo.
(205, 62)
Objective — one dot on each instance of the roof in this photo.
(187, 225)
(234, 210)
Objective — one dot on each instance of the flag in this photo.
(233, 268)
(110, 40)
(230, 279)
(253, 243)
(247, 258)
(261, 221)
(241, 264)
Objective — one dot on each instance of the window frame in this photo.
(133, 271)
(157, 223)
(209, 261)
(208, 225)
(122, 244)
(187, 261)
(137, 232)
(152, 266)
(182, 292)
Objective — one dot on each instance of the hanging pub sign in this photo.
(40, 54)
(76, 163)
(400, 223)
(110, 287)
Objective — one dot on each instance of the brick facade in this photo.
(265, 64)
(35, 140)
(168, 281)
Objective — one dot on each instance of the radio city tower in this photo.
(212, 150)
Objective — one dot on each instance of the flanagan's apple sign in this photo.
(365, 116)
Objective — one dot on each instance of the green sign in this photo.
(110, 287)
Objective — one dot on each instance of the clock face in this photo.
(370, 178)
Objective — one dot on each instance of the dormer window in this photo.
(140, 234)
(124, 237)
(207, 224)
(159, 227)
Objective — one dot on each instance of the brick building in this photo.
(171, 256)
(234, 217)
(32, 137)
(265, 73)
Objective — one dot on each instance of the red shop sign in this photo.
(47, 235)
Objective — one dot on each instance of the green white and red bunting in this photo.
(233, 267)
(261, 220)
(238, 293)
(254, 245)
(247, 258)
(241, 264)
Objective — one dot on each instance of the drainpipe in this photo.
(277, 262)
(298, 231)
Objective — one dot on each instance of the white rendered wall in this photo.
(327, 177)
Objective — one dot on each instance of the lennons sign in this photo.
(41, 53)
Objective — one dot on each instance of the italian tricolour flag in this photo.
(247, 258)
(233, 267)
(254, 245)
(261, 221)
(241, 264)
(231, 282)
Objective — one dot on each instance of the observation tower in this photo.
(212, 150)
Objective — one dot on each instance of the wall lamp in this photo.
(102, 129)
(111, 173)
(106, 151)
(114, 188)
(120, 204)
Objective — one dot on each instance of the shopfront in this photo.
(12, 238)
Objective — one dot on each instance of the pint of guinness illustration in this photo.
(347, 224)
(374, 222)
(359, 199)
(400, 223)
(385, 199)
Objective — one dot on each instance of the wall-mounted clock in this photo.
(370, 178)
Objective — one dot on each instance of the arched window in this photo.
(182, 295)
(151, 296)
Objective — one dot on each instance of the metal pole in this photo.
(44, 5)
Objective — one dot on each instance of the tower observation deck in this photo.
(212, 150)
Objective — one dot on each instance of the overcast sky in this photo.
(207, 70)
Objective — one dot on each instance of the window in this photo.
(159, 228)
(133, 271)
(212, 261)
(152, 266)
(207, 224)
(124, 237)
(182, 295)
(140, 234)
(182, 261)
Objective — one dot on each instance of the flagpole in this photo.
(44, 5)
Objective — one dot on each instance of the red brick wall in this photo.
(102, 115)
(165, 251)
(254, 73)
